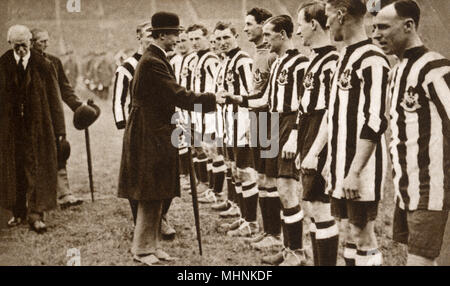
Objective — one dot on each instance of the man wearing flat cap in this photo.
(149, 169)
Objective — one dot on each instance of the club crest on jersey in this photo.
(257, 76)
(220, 80)
(283, 77)
(230, 77)
(345, 81)
(410, 100)
(185, 72)
(308, 81)
(198, 73)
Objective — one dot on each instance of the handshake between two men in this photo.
(225, 97)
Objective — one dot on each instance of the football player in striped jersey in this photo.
(203, 80)
(235, 76)
(281, 96)
(357, 156)
(420, 119)
(312, 129)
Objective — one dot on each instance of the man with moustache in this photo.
(149, 169)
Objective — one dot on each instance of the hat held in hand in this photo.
(85, 115)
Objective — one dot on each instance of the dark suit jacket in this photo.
(149, 168)
(42, 121)
(67, 91)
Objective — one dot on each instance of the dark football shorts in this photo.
(256, 146)
(314, 187)
(229, 153)
(313, 183)
(278, 167)
(422, 230)
(243, 157)
(358, 213)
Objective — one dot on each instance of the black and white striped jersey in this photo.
(203, 80)
(419, 94)
(356, 111)
(235, 76)
(283, 88)
(314, 97)
(122, 83)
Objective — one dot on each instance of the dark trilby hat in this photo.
(165, 21)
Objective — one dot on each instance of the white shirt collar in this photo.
(25, 59)
(154, 44)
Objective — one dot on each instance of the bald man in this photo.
(31, 126)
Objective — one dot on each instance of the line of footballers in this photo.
(327, 113)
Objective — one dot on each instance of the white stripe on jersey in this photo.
(356, 111)
(419, 96)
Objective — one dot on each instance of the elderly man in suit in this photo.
(40, 43)
(150, 170)
(31, 126)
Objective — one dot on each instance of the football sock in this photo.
(250, 195)
(312, 234)
(293, 218)
(262, 206)
(350, 254)
(284, 229)
(240, 199)
(219, 170)
(273, 211)
(209, 169)
(369, 258)
(327, 240)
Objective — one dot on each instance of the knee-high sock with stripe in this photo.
(285, 232)
(312, 234)
(250, 196)
(240, 199)
(203, 172)
(368, 258)
(350, 253)
(293, 218)
(273, 211)
(262, 196)
(219, 170)
(327, 240)
(230, 186)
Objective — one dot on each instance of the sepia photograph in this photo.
(224, 133)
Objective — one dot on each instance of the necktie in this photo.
(21, 69)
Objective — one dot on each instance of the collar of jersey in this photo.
(233, 52)
(324, 50)
(359, 44)
(292, 52)
(414, 52)
(202, 53)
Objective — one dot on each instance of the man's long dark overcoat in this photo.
(44, 119)
(149, 167)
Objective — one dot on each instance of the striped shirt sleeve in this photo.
(121, 84)
(246, 76)
(375, 73)
(437, 82)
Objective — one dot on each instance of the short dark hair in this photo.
(282, 22)
(355, 8)
(196, 27)
(260, 14)
(408, 9)
(404, 9)
(221, 26)
(314, 10)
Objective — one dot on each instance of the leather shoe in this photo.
(162, 255)
(38, 226)
(148, 260)
(14, 221)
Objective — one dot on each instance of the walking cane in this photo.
(89, 161)
(195, 200)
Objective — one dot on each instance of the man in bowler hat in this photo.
(149, 169)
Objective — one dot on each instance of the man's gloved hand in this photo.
(63, 150)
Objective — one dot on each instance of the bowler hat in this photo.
(165, 21)
(85, 115)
